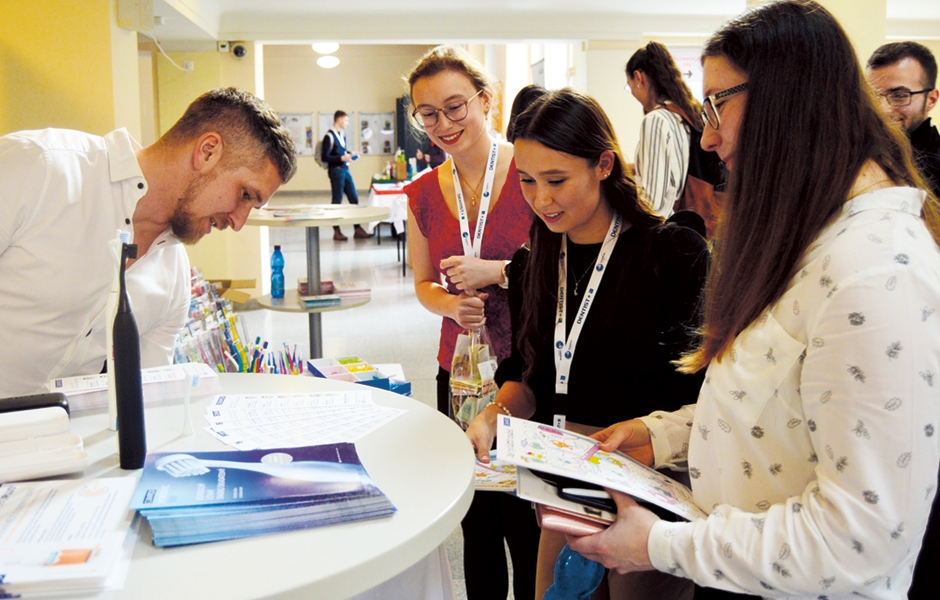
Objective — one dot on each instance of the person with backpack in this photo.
(673, 172)
(334, 153)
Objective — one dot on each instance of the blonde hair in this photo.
(454, 58)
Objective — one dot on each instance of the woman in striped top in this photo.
(662, 156)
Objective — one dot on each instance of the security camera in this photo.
(239, 50)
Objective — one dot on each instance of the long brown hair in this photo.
(656, 63)
(569, 121)
(810, 123)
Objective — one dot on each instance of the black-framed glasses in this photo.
(710, 109)
(425, 116)
(899, 98)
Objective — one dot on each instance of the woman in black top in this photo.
(631, 289)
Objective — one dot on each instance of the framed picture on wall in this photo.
(300, 126)
(377, 132)
(325, 122)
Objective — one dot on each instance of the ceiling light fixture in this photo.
(327, 62)
(325, 47)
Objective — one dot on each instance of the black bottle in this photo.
(132, 437)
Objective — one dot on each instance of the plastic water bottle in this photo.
(277, 273)
(575, 577)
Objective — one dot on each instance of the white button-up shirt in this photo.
(65, 194)
(814, 442)
(662, 160)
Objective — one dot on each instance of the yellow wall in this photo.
(368, 79)
(222, 254)
(63, 64)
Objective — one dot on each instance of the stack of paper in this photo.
(353, 289)
(64, 536)
(320, 301)
(326, 287)
(258, 421)
(211, 496)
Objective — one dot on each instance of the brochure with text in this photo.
(544, 448)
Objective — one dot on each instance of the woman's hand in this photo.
(623, 545)
(630, 437)
(469, 273)
(468, 310)
(481, 432)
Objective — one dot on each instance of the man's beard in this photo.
(184, 224)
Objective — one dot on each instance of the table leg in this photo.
(313, 288)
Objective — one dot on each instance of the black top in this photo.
(926, 144)
(644, 315)
(334, 150)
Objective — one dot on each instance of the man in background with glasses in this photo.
(904, 75)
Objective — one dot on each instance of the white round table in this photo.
(421, 460)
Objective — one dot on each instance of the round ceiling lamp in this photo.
(325, 47)
(327, 62)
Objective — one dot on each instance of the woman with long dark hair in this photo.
(605, 278)
(670, 109)
(813, 444)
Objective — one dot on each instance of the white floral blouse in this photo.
(814, 444)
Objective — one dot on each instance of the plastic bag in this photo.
(472, 375)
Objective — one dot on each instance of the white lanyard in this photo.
(471, 247)
(564, 348)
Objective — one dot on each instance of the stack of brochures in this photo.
(352, 289)
(211, 496)
(320, 301)
(64, 536)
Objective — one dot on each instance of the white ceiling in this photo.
(189, 23)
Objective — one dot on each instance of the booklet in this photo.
(210, 496)
(544, 448)
(495, 475)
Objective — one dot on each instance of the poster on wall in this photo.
(377, 133)
(689, 61)
(300, 126)
(325, 122)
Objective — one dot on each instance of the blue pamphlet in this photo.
(209, 496)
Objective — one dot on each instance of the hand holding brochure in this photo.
(544, 448)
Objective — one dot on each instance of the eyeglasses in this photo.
(455, 112)
(899, 98)
(710, 109)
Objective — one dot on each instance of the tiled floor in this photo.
(392, 328)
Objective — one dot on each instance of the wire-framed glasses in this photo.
(901, 97)
(425, 116)
(710, 108)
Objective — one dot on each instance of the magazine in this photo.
(551, 450)
(210, 496)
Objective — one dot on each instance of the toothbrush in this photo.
(123, 237)
(184, 465)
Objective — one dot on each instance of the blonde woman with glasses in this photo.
(466, 220)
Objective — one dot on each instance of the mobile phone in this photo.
(582, 492)
(34, 401)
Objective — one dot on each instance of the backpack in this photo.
(322, 148)
(704, 184)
